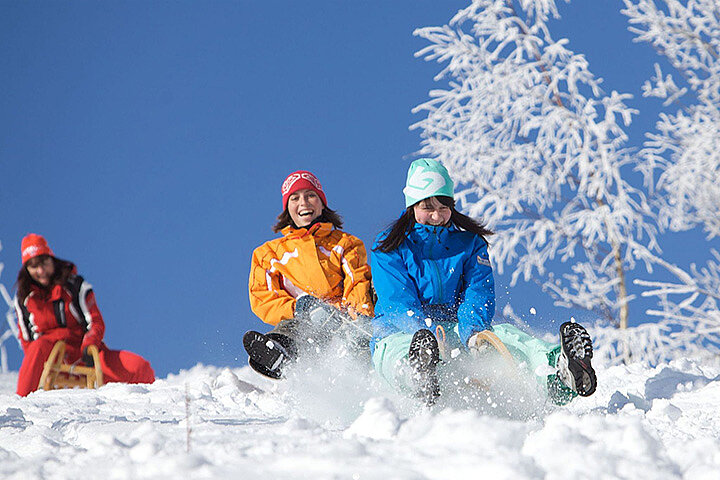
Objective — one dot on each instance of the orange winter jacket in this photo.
(320, 261)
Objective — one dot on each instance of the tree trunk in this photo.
(622, 291)
(623, 300)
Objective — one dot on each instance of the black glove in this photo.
(87, 358)
(306, 304)
(317, 316)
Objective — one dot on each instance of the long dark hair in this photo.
(328, 216)
(24, 283)
(402, 226)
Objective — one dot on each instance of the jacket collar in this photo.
(429, 234)
(427, 230)
(52, 294)
(320, 229)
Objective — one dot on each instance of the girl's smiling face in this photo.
(431, 212)
(41, 269)
(304, 206)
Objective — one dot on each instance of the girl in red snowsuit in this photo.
(54, 303)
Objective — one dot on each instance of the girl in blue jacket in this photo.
(432, 275)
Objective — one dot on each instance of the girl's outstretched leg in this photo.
(124, 366)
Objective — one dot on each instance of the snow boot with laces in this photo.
(424, 355)
(574, 367)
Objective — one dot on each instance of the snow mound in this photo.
(212, 422)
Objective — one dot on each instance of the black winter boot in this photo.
(424, 355)
(574, 367)
(268, 353)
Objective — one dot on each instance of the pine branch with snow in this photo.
(536, 149)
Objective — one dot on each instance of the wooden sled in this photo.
(58, 374)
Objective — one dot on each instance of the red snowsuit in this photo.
(69, 313)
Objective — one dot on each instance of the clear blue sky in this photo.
(148, 140)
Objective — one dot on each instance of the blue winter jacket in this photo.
(440, 273)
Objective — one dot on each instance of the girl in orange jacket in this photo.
(54, 303)
(310, 284)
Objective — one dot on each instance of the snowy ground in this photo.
(641, 424)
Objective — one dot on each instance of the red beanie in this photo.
(34, 245)
(298, 181)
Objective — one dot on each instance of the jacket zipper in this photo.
(436, 268)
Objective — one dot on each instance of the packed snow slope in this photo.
(210, 422)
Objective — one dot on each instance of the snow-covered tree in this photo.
(10, 317)
(536, 149)
(682, 158)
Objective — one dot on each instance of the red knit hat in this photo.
(298, 181)
(34, 245)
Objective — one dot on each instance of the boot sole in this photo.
(266, 355)
(577, 347)
(424, 355)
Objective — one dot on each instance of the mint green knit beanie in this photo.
(427, 178)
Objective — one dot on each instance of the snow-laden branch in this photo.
(536, 149)
(682, 158)
(689, 305)
(648, 343)
(10, 317)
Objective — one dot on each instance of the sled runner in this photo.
(487, 342)
(58, 374)
(487, 339)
